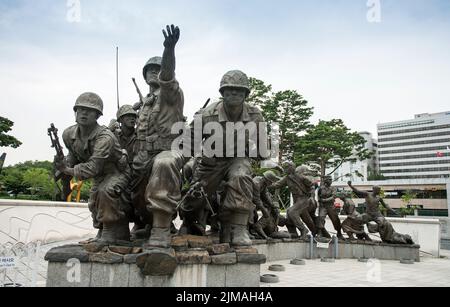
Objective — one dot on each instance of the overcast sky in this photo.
(346, 67)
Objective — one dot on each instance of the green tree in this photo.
(39, 182)
(286, 108)
(329, 144)
(5, 139)
(12, 181)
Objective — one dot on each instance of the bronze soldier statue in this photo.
(300, 185)
(263, 202)
(373, 214)
(157, 179)
(236, 201)
(95, 153)
(354, 223)
(327, 195)
(126, 134)
(373, 201)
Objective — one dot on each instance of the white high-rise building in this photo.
(358, 171)
(415, 149)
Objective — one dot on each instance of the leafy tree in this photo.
(12, 181)
(286, 108)
(5, 139)
(329, 144)
(39, 182)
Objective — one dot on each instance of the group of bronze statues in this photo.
(138, 176)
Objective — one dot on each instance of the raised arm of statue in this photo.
(359, 193)
(171, 38)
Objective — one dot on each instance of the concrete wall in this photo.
(29, 221)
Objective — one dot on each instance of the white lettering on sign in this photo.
(7, 262)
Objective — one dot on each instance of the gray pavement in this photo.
(430, 272)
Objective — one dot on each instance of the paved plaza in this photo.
(430, 272)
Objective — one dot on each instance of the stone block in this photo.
(369, 251)
(219, 249)
(122, 250)
(136, 279)
(246, 250)
(157, 262)
(243, 275)
(180, 243)
(224, 259)
(65, 253)
(251, 258)
(198, 241)
(216, 276)
(110, 275)
(357, 251)
(159, 281)
(60, 275)
(191, 276)
(193, 257)
(106, 258)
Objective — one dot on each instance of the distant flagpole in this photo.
(117, 77)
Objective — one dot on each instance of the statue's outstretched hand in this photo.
(171, 36)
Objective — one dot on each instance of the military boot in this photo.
(239, 230)
(108, 234)
(225, 232)
(161, 235)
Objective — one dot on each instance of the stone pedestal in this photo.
(205, 265)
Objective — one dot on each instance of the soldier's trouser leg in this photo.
(163, 193)
(309, 221)
(138, 185)
(294, 214)
(238, 200)
(109, 210)
(335, 220)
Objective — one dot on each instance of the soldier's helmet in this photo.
(126, 110)
(235, 79)
(269, 175)
(90, 101)
(157, 60)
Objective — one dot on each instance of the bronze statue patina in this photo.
(95, 153)
(354, 223)
(126, 134)
(157, 179)
(374, 215)
(300, 185)
(231, 171)
(262, 199)
(327, 195)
